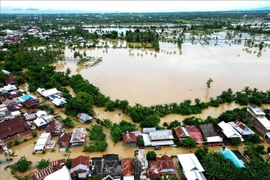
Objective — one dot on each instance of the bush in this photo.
(43, 164)
(235, 141)
(189, 142)
(255, 138)
(151, 156)
(17, 141)
(34, 134)
(9, 143)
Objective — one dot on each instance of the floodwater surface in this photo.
(172, 75)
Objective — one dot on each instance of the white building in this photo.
(229, 131)
(62, 173)
(41, 142)
(192, 168)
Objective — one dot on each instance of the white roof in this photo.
(40, 113)
(214, 139)
(245, 131)
(147, 130)
(161, 134)
(228, 130)
(146, 139)
(265, 122)
(257, 111)
(192, 168)
(15, 113)
(60, 174)
(42, 140)
(40, 122)
(48, 92)
(128, 177)
(59, 101)
(148, 142)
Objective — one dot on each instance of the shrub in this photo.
(151, 156)
(235, 141)
(17, 141)
(189, 142)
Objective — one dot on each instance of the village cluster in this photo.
(20, 117)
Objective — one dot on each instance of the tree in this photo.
(17, 141)
(96, 133)
(151, 156)
(109, 106)
(189, 142)
(150, 121)
(43, 164)
(68, 122)
(255, 138)
(268, 149)
(95, 146)
(140, 142)
(9, 143)
(22, 164)
(208, 82)
(235, 141)
(201, 152)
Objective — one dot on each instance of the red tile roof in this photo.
(127, 167)
(31, 103)
(64, 139)
(180, 132)
(59, 162)
(84, 160)
(11, 80)
(195, 133)
(41, 174)
(11, 127)
(162, 166)
(240, 124)
(129, 137)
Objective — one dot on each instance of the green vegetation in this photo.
(151, 155)
(21, 165)
(254, 139)
(189, 142)
(17, 142)
(68, 122)
(97, 138)
(209, 82)
(122, 127)
(235, 141)
(43, 163)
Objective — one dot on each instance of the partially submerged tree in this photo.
(208, 82)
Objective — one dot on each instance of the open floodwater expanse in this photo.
(170, 75)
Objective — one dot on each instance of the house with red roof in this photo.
(11, 80)
(80, 167)
(12, 127)
(195, 133)
(127, 167)
(41, 174)
(64, 140)
(163, 165)
(129, 139)
(55, 128)
(181, 133)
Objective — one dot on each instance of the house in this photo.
(59, 102)
(259, 121)
(26, 97)
(229, 131)
(31, 103)
(127, 167)
(111, 166)
(140, 164)
(11, 80)
(84, 118)
(241, 128)
(191, 166)
(163, 165)
(8, 88)
(30, 117)
(64, 140)
(195, 134)
(43, 139)
(96, 166)
(129, 139)
(41, 174)
(228, 154)
(50, 93)
(78, 136)
(181, 133)
(12, 127)
(210, 134)
(158, 138)
(147, 130)
(62, 173)
(80, 167)
(40, 123)
(56, 128)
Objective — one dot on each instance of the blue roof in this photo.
(26, 97)
(227, 153)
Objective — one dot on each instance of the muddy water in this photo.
(148, 77)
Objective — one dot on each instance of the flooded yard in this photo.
(172, 75)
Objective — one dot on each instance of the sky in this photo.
(133, 6)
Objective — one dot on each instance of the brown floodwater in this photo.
(148, 77)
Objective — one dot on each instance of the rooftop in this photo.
(11, 127)
(127, 167)
(195, 133)
(227, 153)
(192, 168)
(228, 130)
(181, 132)
(241, 128)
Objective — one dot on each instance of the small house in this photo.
(56, 128)
(84, 118)
(163, 166)
(241, 128)
(78, 136)
(129, 139)
(80, 167)
(195, 133)
(127, 168)
(43, 139)
(64, 140)
(181, 133)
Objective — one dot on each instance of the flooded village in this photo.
(100, 101)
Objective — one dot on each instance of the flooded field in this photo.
(173, 75)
